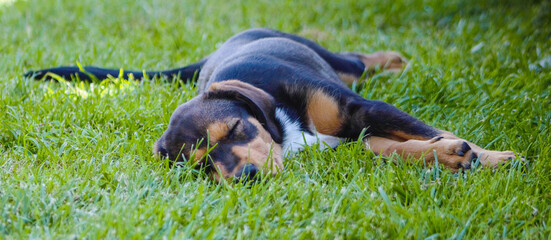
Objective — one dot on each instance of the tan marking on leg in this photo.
(217, 131)
(448, 151)
(402, 136)
(389, 61)
(323, 111)
(347, 78)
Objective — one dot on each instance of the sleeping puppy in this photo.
(264, 94)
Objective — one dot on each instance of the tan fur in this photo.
(217, 131)
(389, 61)
(220, 172)
(446, 150)
(235, 84)
(323, 111)
(217, 85)
(402, 136)
(347, 78)
(488, 158)
(199, 154)
(262, 152)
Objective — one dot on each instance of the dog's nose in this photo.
(248, 172)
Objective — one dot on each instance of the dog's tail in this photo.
(89, 73)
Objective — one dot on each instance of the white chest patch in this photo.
(294, 140)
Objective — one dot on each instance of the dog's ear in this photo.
(260, 103)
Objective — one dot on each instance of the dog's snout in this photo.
(249, 170)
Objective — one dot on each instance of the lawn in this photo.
(76, 159)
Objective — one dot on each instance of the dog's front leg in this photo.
(392, 130)
(454, 154)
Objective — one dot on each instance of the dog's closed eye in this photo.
(235, 127)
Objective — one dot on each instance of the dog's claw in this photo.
(473, 157)
(436, 139)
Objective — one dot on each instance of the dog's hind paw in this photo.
(388, 61)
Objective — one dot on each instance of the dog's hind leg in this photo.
(350, 66)
(388, 61)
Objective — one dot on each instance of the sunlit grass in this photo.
(4, 3)
(77, 162)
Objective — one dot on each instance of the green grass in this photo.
(76, 158)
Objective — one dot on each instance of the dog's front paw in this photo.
(487, 158)
(494, 158)
(454, 154)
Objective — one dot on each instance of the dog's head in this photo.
(230, 129)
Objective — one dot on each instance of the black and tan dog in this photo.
(265, 93)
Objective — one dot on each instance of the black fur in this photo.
(186, 73)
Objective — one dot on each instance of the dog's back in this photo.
(267, 62)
